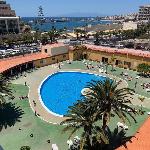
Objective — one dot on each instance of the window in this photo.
(53, 58)
(41, 61)
(118, 62)
(45, 50)
(127, 63)
(104, 60)
(64, 56)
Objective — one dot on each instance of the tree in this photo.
(44, 39)
(98, 37)
(40, 19)
(25, 148)
(102, 101)
(79, 117)
(5, 90)
(112, 62)
(141, 98)
(108, 99)
(40, 15)
(53, 34)
(79, 32)
(27, 38)
(144, 69)
(36, 36)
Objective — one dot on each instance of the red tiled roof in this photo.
(125, 51)
(8, 63)
(141, 140)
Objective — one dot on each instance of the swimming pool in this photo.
(63, 89)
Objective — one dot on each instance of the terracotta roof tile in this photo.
(8, 63)
(141, 140)
(126, 51)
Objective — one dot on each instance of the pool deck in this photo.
(35, 79)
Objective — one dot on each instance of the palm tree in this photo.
(141, 98)
(27, 38)
(103, 101)
(80, 116)
(97, 38)
(44, 39)
(78, 32)
(53, 34)
(5, 90)
(143, 68)
(108, 99)
(112, 62)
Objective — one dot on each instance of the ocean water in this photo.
(63, 89)
(70, 25)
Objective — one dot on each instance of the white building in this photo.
(55, 49)
(144, 13)
(130, 25)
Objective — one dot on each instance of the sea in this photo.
(60, 23)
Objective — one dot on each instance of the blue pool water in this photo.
(62, 89)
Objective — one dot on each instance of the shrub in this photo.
(25, 148)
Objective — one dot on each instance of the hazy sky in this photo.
(73, 7)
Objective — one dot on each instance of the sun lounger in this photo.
(137, 77)
(101, 70)
(125, 127)
(54, 147)
(70, 143)
(121, 125)
(147, 90)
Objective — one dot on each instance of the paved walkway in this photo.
(35, 79)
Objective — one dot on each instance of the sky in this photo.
(29, 8)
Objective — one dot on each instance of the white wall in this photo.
(59, 50)
(129, 25)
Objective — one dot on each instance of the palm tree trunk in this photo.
(88, 137)
(105, 120)
(89, 146)
(106, 68)
(112, 67)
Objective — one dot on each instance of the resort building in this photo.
(55, 53)
(124, 58)
(9, 22)
(51, 54)
(55, 49)
(144, 13)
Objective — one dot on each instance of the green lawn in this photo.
(12, 138)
